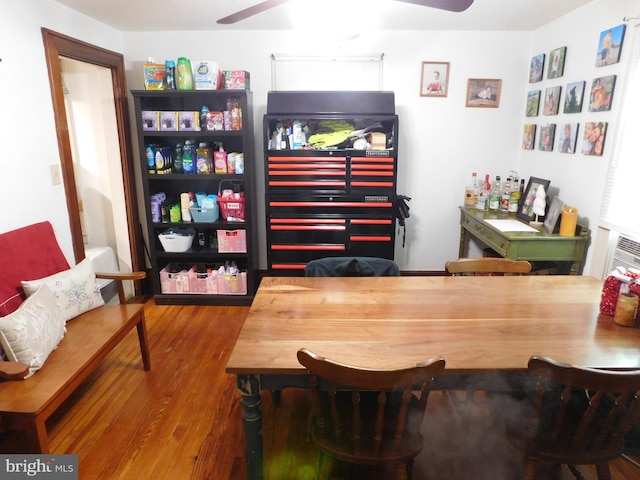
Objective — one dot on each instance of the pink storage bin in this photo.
(172, 281)
(232, 241)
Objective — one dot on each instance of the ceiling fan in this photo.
(450, 5)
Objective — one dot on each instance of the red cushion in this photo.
(27, 253)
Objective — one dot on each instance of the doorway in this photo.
(97, 168)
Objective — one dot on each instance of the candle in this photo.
(626, 309)
(568, 221)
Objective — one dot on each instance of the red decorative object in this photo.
(611, 289)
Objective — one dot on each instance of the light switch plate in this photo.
(54, 170)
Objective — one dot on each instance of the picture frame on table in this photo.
(601, 94)
(483, 92)
(556, 62)
(434, 79)
(551, 218)
(533, 103)
(552, 100)
(610, 46)
(574, 93)
(525, 211)
(536, 69)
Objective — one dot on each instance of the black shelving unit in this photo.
(173, 184)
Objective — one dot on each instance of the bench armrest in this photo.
(13, 370)
(119, 278)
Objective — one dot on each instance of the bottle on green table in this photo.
(471, 192)
(496, 195)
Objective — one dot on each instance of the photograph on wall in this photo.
(434, 80)
(552, 100)
(601, 94)
(547, 134)
(528, 136)
(567, 137)
(574, 93)
(593, 138)
(536, 69)
(533, 103)
(556, 62)
(610, 46)
(483, 92)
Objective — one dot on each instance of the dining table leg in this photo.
(249, 388)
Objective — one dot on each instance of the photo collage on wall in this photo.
(571, 98)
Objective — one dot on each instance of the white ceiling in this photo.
(184, 15)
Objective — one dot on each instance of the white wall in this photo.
(441, 142)
(27, 124)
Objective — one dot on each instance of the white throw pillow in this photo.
(33, 331)
(75, 289)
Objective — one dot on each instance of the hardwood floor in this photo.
(182, 420)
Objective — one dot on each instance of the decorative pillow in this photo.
(33, 331)
(75, 289)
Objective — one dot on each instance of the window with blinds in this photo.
(620, 203)
(332, 73)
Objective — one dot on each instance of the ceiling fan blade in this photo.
(450, 5)
(249, 12)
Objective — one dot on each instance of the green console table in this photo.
(537, 246)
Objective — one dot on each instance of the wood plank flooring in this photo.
(182, 420)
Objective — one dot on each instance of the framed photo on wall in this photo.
(434, 79)
(601, 94)
(556, 62)
(567, 137)
(483, 92)
(552, 100)
(525, 212)
(573, 97)
(610, 46)
(536, 69)
(528, 136)
(533, 103)
(593, 138)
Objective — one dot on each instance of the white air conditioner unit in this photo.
(626, 253)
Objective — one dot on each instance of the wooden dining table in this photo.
(483, 326)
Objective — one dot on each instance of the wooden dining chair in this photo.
(366, 416)
(580, 416)
(487, 265)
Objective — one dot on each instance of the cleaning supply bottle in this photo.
(185, 74)
(220, 160)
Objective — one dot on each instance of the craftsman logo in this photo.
(51, 467)
(377, 153)
(376, 198)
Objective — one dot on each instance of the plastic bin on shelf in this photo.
(177, 239)
(232, 241)
(174, 278)
(231, 208)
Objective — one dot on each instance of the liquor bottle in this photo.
(521, 191)
(484, 194)
(514, 199)
(504, 196)
(494, 199)
(471, 192)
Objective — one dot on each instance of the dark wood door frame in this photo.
(57, 45)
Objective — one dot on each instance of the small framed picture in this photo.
(610, 46)
(533, 103)
(483, 92)
(547, 134)
(573, 97)
(551, 218)
(601, 94)
(525, 212)
(536, 69)
(556, 62)
(593, 138)
(528, 136)
(434, 80)
(552, 100)
(567, 137)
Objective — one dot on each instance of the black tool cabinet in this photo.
(333, 200)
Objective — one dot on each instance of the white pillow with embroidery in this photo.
(75, 289)
(33, 331)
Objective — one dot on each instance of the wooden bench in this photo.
(26, 404)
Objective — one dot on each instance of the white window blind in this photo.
(620, 204)
(332, 73)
